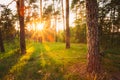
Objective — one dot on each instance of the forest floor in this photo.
(51, 61)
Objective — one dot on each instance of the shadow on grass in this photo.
(111, 63)
(40, 66)
(42, 63)
(17, 68)
(58, 64)
(7, 60)
(45, 64)
(31, 65)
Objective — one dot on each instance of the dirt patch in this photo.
(77, 69)
(116, 76)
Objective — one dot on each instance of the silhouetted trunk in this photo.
(76, 13)
(20, 9)
(2, 49)
(63, 20)
(113, 28)
(41, 10)
(93, 65)
(55, 21)
(55, 28)
(67, 25)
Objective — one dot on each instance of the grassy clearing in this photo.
(50, 61)
(47, 61)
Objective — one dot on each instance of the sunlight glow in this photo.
(35, 26)
(40, 26)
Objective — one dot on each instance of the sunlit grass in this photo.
(58, 52)
(7, 54)
(23, 60)
(9, 57)
(20, 64)
(49, 61)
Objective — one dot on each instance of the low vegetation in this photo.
(51, 61)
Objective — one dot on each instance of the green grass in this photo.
(47, 61)
(50, 61)
(111, 60)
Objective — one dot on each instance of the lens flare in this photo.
(40, 26)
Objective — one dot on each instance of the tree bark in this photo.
(41, 10)
(63, 19)
(2, 49)
(55, 21)
(67, 25)
(93, 64)
(20, 7)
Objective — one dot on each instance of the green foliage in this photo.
(48, 11)
(80, 31)
(76, 2)
(78, 34)
(7, 23)
(109, 21)
(60, 36)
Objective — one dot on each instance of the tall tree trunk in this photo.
(20, 9)
(93, 65)
(55, 28)
(55, 21)
(41, 10)
(2, 49)
(63, 19)
(113, 28)
(67, 25)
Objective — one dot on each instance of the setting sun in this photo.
(40, 26)
(35, 26)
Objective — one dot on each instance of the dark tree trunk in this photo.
(67, 25)
(55, 28)
(2, 49)
(55, 21)
(93, 65)
(20, 7)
